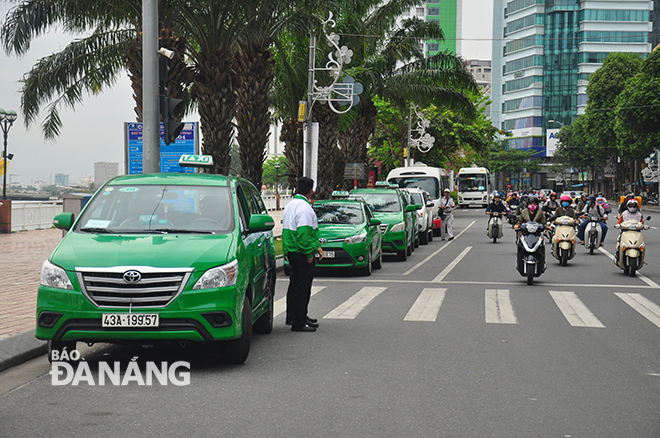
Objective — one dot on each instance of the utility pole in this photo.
(150, 110)
(307, 152)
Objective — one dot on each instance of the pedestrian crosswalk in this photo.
(499, 307)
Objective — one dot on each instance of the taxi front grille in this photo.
(383, 228)
(132, 286)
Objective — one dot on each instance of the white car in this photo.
(424, 214)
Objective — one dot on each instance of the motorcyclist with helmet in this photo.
(592, 209)
(582, 202)
(551, 204)
(523, 205)
(513, 202)
(497, 205)
(631, 213)
(532, 213)
(564, 208)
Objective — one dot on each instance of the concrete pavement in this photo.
(21, 256)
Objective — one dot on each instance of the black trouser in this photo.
(300, 288)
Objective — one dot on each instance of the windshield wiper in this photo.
(97, 230)
(181, 231)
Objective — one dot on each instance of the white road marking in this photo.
(574, 310)
(484, 283)
(452, 265)
(280, 305)
(418, 265)
(427, 306)
(642, 277)
(647, 308)
(355, 304)
(498, 307)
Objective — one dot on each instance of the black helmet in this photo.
(533, 200)
(592, 198)
(524, 198)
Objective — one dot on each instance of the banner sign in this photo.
(187, 143)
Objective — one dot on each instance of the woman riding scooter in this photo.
(531, 250)
(592, 209)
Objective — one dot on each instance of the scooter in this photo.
(495, 225)
(630, 247)
(531, 251)
(592, 234)
(563, 239)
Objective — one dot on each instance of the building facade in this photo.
(104, 171)
(544, 52)
(60, 180)
(449, 16)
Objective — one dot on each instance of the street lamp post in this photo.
(7, 119)
(277, 186)
(557, 122)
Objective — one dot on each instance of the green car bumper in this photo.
(199, 315)
(346, 255)
(394, 241)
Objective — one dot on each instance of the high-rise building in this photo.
(448, 15)
(544, 52)
(61, 180)
(104, 172)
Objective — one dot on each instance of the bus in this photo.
(432, 179)
(473, 186)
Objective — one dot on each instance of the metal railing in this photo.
(33, 215)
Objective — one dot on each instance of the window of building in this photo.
(433, 11)
(432, 47)
(420, 12)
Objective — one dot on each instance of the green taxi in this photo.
(162, 257)
(349, 234)
(390, 206)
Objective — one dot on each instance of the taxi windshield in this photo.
(339, 214)
(159, 209)
(382, 202)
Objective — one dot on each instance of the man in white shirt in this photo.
(447, 205)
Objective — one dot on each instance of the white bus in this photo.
(473, 186)
(432, 179)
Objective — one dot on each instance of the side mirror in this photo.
(374, 221)
(430, 204)
(413, 207)
(261, 222)
(648, 218)
(63, 221)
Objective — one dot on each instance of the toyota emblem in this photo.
(322, 240)
(132, 276)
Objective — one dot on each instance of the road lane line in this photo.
(418, 265)
(352, 307)
(380, 280)
(452, 265)
(642, 277)
(647, 308)
(498, 307)
(427, 306)
(280, 305)
(574, 310)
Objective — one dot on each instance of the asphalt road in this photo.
(451, 343)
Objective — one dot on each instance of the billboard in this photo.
(551, 142)
(186, 143)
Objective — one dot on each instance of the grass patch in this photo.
(278, 247)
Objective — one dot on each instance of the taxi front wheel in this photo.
(236, 351)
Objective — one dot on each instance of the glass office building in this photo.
(546, 51)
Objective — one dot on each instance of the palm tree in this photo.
(91, 64)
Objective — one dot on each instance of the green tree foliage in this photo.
(638, 114)
(270, 173)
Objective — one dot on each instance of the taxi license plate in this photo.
(129, 320)
(329, 254)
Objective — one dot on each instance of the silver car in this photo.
(424, 214)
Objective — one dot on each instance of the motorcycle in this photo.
(531, 251)
(630, 247)
(563, 239)
(495, 225)
(592, 234)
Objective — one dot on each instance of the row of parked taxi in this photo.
(357, 227)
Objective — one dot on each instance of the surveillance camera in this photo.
(166, 53)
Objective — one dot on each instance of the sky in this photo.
(93, 132)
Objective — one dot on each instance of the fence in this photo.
(33, 215)
(269, 201)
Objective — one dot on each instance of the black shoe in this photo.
(310, 321)
(451, 238)
(304, 328)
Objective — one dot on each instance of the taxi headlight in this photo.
(54, 276)
(220, 276)
(398, 227)
(358, 238)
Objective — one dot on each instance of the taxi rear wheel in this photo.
(237, 351)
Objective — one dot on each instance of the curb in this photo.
(20, 348)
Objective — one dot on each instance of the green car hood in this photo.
(337, 231)
(169, 250)
(389, 218)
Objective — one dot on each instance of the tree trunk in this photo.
(329, 158)
(215, 85)
(253, 65)
(292, 137)
(356, 138)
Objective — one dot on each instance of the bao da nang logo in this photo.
(69, 369)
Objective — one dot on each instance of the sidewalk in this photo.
(21, 256)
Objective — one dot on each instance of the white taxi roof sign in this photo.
(196, 161)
